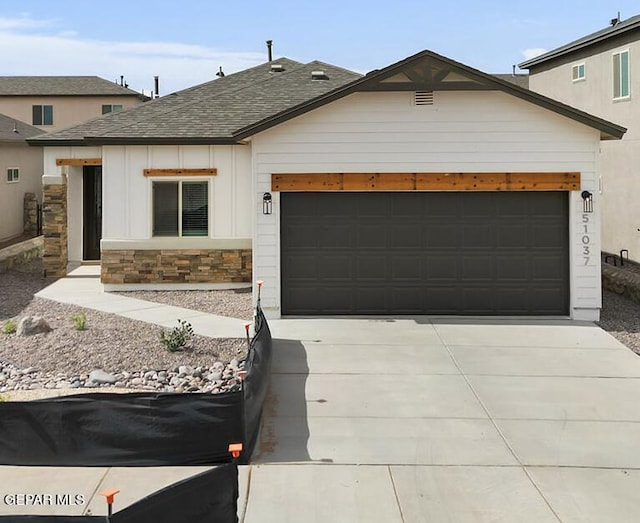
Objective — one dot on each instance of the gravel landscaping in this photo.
(129, 351)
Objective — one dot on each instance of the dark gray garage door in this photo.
(481, 253)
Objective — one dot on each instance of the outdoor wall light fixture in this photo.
(587, 201)
(267, 203)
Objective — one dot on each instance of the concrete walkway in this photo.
(408, 420)
(83, 288)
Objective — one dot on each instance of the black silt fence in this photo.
(140, 429)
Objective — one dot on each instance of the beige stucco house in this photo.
(55, 102)
(424, 187)
(21, 171)
(600, 73)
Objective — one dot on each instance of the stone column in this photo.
(54, 225)
(30, 217)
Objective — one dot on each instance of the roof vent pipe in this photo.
(156, 86)
(269, 46)
(615, 21)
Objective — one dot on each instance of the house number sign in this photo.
(586, 239)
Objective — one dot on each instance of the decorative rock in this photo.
(137, 381)
(150, 375)
(233, 363)
(63, 385)
(30, 325)
(184, 370)
(28, 370)
(75, 384)
(99, 377)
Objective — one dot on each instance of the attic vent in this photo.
(277, 68)
(319, 75)
(423, 98)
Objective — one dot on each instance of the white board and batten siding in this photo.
(127, 194)
(482, 131)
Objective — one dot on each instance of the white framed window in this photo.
(577, 72)
(42, 114)
(111, 108)
(621, 75)
(13, 174)
(180, 208)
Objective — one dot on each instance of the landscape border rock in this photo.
(621, 281)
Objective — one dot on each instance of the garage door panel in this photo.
(547, 236)
(371, 268)
(442, 269)
(372, 300)
(406, 235)
(425, 253)
(477, 236)
(406, 268)
(407, 300)
(301, 267)
(478, 300)
(512, 236)
(332, 299)
(441, 236)
(370, 236)
(335, 268)
(475, 268)
(514, 268)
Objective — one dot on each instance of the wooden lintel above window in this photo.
(181, 172)
(78, 162)
(559, 181)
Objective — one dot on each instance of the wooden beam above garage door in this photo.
(307, 182)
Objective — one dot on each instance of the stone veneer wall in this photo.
(30, 214)
(54, 228)
(176, 266)
(20, 253)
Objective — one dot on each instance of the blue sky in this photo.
(184, 42)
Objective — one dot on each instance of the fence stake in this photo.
(109, 494)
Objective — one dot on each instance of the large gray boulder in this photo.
(99, 376)
(30, 325)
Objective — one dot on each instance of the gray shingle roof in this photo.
(210, 112)
(237, 106)
(521, 80)
(61, 86)
(9, 126)
(622, 27)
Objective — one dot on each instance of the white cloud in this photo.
(63, 52)
(533, 52)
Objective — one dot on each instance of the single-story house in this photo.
(424, 187)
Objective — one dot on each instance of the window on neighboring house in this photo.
(577, 72)
(181, 208)
(621, 74)
(111, 108)
(43, 115)
(13, 174)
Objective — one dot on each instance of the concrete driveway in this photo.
(401, 420)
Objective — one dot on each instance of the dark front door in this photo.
(92, 212)
(467, 253)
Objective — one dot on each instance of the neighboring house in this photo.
(55, 102)
(425, 187)
(21, 171)
(600, 73)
